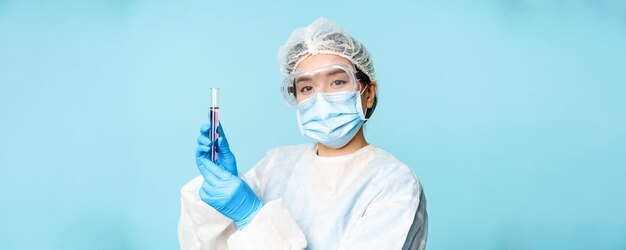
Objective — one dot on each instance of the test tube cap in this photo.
(214, 92)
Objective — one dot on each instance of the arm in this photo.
(203, 227)
(200, 226)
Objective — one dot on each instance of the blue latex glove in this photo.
(222, 189)
(225, 158)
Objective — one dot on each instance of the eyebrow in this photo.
(308, 79)
(336, 71)
(303, 79)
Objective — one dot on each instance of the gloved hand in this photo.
(222, 188)
(225, 158)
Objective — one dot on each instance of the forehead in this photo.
(320, 60)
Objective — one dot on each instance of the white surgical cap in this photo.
(323, 37)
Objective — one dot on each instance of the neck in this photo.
(355, 144)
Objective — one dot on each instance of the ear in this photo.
(371, 94)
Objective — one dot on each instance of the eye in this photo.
(338, 83)
(306, 89)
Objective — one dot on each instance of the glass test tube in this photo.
(214, 122)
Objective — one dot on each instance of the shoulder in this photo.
(291, 149)
(396, 175)
(279, 158)
(288, 153)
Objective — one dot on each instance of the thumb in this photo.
(222, 142)
(224, 150)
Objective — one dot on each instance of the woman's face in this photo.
(320, 60)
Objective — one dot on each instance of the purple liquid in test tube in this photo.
(214, 111)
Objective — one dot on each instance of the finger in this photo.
(215, 171)
(204, 140)
(220, 130)
(219, 172)
(203, 151)
(204, 192)
(222, 142)
(208, 192)
(207, 171)
(205, 129)
(223, 146)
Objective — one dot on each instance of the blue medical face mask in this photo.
(331, 118)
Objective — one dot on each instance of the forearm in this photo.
(200, 226)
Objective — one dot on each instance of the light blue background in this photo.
(510, 112)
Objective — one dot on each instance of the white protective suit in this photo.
(364, 200)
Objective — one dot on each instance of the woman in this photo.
(339, 193)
